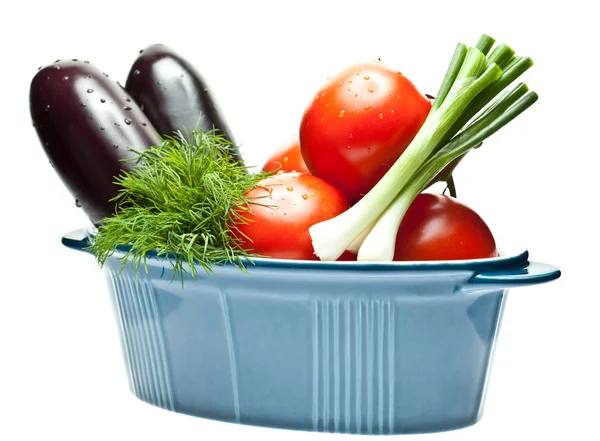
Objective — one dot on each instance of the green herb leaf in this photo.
(179, 201)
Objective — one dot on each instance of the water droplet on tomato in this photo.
(314, 195)
(349, 81)
(355, 95)
(305, 196)
(350, 136)
(317, 97)
(290, 188)
(328, 78)
(285, 159)
(368, 106)
(366, 77)
(322, 119)
(370, 90)
(392, 111)
(90, 90)
(381, 116)
(398, 73)
(341, 83)
(342, 113)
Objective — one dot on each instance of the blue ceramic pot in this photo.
(370, 348)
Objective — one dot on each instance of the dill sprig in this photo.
(179, 201)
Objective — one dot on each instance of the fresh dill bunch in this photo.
(179, 201)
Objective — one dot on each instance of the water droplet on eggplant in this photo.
(136, 72)
(102, 100)
(127, 121)
(126, 108)
(77, 203)
(90, 90)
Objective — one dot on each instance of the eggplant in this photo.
(174, 96)
(87, 124)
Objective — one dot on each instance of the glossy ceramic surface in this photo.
(338, 347)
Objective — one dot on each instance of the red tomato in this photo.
(298, 202)
(359, 124)
(438, 227)
(287, 159)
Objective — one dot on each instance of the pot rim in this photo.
(512, 257)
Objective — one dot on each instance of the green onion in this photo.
(471, 82)
(379, 244)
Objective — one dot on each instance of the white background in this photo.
(61, 373)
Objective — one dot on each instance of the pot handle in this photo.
(532, 273)
(78, 240)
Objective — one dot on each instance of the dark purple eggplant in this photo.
(87, 124)
(174, 95)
